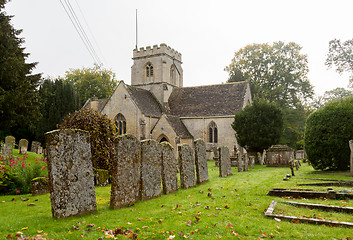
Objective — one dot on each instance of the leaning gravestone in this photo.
(34, 146)
(126, 172)
(23, 146)
(70, 173)
(200, 161)
(187, 166)
(169, 169)
(151, 169)
(225, 169)
(240, 162)
(259, 158)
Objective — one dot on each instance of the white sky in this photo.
(207, 33)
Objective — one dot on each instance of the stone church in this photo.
(157, 106)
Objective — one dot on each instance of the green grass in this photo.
(241, 197)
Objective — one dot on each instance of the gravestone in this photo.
(251, 161)
(263, 159)
(23, 146)
(70, 173)
(351, 159)
(39, 150)
(169, 169)
(187, 166)
(225, 169)
(200, 161)
(10, 141)
(246, 162)
(126, 172)
(259, 157)
(240, 161)
(34, 146)
(39, 185)
(151, 169)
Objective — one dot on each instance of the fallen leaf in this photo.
(209, 189)
(171, 237)
(188, 223)
(24, 228)
(230, 225)
(39, 231)
(128, 223)
(31, 204)
(90, 225)
(24, 199)
(277, 219)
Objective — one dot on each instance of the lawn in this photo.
(227, 208)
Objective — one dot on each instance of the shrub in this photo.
(327, 133)
(258, 126)
(16, 174)
(101, 130)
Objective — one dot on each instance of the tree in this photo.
(258, 126)
(92, 82)
(19, 106)
(327, 133)
(57, 99)
(275, 72)
(340, 55)
(331, 95)
(102, 133)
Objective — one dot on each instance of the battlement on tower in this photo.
(156, 50)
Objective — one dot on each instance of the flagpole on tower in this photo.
(136, 30)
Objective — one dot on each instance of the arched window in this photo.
(120, 124)
(149, 72)
(212, 132)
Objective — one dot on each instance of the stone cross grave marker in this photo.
(169, 169)
(187, 166)
(200, 161)
(252, 161)
(126, 172)
(225, 169)
(70, 173)
(151, 169)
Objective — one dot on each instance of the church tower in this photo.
(158, 70)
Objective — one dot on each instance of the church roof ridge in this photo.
(217, 84)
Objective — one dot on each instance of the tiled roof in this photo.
(212, 100)
(178, 126)
(147, 103)
(101, 103)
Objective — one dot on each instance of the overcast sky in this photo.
(206, 33)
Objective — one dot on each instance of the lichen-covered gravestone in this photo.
(7, 148)
(225, 169)
(126, 172)
(200, 161)
(169, 169)
(70, 173)
(151, 169)
(187, 166)
(34, 146)
(23, 146)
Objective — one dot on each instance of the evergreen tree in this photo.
(19, 106)
(57, 100)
